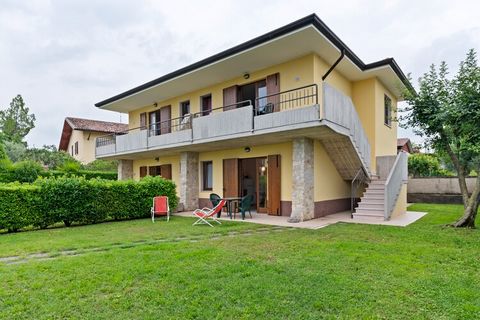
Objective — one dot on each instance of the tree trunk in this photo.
(471, 209)
(461, 175)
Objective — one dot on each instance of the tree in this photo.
(447, 113)
(49, 156)
(15, 121)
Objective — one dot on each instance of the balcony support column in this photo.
(125, 169)
(189, 181)
(302, 180)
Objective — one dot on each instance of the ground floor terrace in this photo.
(295, 179)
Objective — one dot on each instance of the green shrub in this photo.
(425, 165)
(82, 173)
(101, 165)
(70, 166)
(78, 200)
(19, 206)
(25, 171)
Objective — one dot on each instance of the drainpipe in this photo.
(334, 65)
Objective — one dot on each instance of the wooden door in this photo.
(274, 185)
(230, 97)
(166, 171)
(206, 105)
(230, 178)
(273, 86)
(165, 117)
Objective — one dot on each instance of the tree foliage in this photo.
(16, 121)
(447, 113)
(425, 165)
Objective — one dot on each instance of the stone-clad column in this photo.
(125, 169)
(189, 180)
(302, 180)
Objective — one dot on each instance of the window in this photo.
(72, 150)
(155, 171)
(207, 175)
(184, 108)
(387, 111)
(76, 148)
(206, 104)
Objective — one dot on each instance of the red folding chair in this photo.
(205, 214)
(160, 207)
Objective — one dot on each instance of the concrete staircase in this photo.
(372, 203)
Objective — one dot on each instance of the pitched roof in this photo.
(96, 125)
(71, 124)
(401, 141)
(310, 20)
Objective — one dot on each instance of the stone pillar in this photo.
(189, 180)
(125, 169)
(302, 180)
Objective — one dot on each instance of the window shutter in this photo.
(230, 97)
(273, 86)
(143, 171)
(143, 120)
(166, 171)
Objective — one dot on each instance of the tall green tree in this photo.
(447, 113)
(16, 121)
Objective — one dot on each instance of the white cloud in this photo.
(63, 56)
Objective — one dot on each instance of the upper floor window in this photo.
(387, 119)
(76, 148)
(184, 108)
(206, 104)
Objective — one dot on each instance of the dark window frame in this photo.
(205, 186)
(182, 104)
(387, 111)
(206, 112)
(76, 148)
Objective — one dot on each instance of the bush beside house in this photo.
(78, 200)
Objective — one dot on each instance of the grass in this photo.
(246, 271)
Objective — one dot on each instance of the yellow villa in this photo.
(293, 118)
(79, 135)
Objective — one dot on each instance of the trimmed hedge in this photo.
(82, 173)
(78, 200)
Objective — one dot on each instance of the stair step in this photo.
(370, 211)
(382, 182)
(372, 201)
(374, 197)
(368, 217)
(375, 191)
(375, 186)
(367, 206)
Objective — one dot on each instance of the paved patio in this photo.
(400, 221)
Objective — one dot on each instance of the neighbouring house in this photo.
(293, 117)
(404, 144)
(78, 136)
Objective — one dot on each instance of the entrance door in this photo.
(230, 178)
(274, 184)
(154, 123)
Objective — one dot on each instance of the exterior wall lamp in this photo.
(247, 149)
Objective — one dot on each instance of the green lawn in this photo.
(140, 270)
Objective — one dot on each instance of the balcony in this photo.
(268, 119)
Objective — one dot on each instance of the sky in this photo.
(64, 56)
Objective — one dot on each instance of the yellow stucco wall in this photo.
(329, 184)
(173, 160)
(283, 149)
(86, 145)
(368, 98)
(386, 137)
(335, 78)
(293, 74)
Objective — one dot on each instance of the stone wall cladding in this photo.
(189, 180)
(125, 169)
(302, 180)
